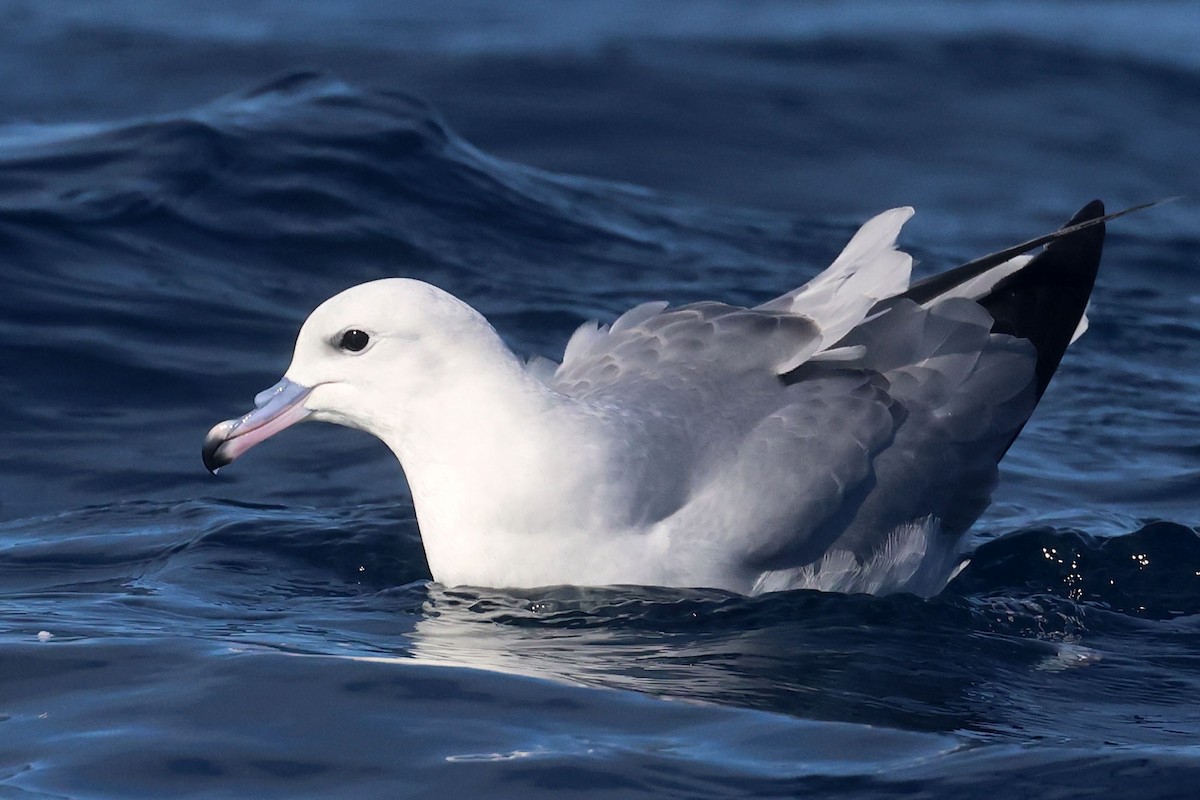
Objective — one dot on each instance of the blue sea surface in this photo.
(181, 183)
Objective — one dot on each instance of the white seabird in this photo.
(842, 436)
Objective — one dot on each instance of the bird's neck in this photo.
(490, 474)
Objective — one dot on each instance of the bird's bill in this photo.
(275, 409)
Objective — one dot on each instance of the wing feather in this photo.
(661, 345)
(912, 429)
(654, 342)
(869, 269)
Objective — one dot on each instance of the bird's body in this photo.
(842, 436)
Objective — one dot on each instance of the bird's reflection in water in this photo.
(850, 658)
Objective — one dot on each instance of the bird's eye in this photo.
(354, 340)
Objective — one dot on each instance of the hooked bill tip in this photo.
(214, 453)
(275, 409)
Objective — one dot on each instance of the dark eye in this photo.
(354, 340)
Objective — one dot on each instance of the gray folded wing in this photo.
(776, 458)
(651, 349)
(913, 428)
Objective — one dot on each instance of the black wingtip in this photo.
(1091, 215)
(1090, 211)
(1044, 300)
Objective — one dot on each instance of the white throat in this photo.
(491, 483)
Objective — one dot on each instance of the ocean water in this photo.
(180, 186)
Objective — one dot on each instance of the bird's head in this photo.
(360, 358)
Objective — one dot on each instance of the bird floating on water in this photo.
(843, 436)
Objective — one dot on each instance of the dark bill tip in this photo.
(275, 409)
(214, 453)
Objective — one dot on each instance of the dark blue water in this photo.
(180, 187)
